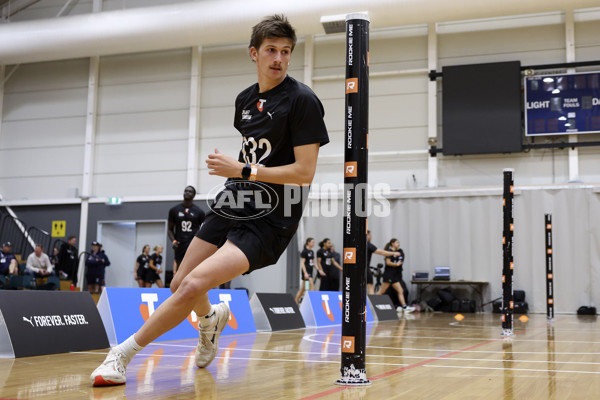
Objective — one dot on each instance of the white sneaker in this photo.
(208, 342)
(399, 309)
(111, 371)
(408, 309)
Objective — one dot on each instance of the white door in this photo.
(118, 242)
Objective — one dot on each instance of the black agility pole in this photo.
(356, 111)
(507, 254)
(549, 269)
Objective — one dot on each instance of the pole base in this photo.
(353, 377)
(344, 381)
(507, 332)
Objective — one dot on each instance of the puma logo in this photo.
(28, 320)
(270, 114)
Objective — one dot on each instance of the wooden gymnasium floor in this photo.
(429, 357)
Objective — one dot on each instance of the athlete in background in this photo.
(184, 221)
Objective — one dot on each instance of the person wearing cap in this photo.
(8, 262)
(95, 263)
(38, 263)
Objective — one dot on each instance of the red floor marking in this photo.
(374, 378)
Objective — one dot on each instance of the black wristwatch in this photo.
(246, 171)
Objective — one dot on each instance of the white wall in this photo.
(143, 126)
(142, 129)
(143, 113)
(42, 132)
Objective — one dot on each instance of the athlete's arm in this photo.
(386, 253)
(319, 267)
(338, 266)
(171, 233)
(389, 263)
(304, 273)
(300, 172)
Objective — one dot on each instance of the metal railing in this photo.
(12, 230)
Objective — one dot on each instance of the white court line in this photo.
(494, 360)
(258, 359)
(514, 369)
(484, 351)
(492, 339)
(497, 338)
(393, 364)
(310, 339)
(417, 357)
(529, 329)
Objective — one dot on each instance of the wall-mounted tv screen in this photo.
(482, 108)
(562, 104)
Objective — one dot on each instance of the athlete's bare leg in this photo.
(192, 286)
(198, 251)
(398, 287)
(384, 287)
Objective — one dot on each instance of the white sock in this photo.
(129, 348)
(208, 320)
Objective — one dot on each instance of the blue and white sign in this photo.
(325, 308)
(124, 311)
(562, 104)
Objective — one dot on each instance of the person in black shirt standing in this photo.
(371, 248)
(184, 221)
(326, 263)
(153, 274)
(67, 260)
(255, 216)
(96, 262)
(393, 275)
(307, 262)
(141, 266)
(335, 273)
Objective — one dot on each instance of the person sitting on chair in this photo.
(8, 261)
(38, 263)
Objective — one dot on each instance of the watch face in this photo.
(246, 171)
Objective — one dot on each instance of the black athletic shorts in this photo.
(392, 274)
(141, 273)
(369, 276)
(309, 271)
(261, 242)
(151, 276)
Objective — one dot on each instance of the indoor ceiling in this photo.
(216, 22)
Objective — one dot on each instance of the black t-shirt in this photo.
(142, 261)
(370, 250)
(395, 259)
(309, 259)
(157, 259)
(67, 257)
(186, 220)
(325, 257)
(272, 123)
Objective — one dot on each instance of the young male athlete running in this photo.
(282, 128)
